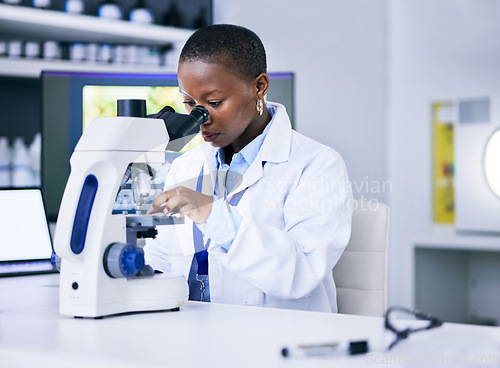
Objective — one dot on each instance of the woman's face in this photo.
(229, 100)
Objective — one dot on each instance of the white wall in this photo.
(438, 49)
(337, 51)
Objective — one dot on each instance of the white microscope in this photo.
(103, 271)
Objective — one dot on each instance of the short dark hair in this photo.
(231, 46)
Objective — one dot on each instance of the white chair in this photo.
(361, 272)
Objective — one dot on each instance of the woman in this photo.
(269, 205)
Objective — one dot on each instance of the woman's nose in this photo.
(207, 123)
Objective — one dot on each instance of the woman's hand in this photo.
(184, 201)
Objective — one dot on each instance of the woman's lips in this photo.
(208, 136)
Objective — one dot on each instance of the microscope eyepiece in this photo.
(200, 112)
(180, 127)
(132, 108)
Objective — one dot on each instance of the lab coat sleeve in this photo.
(222, 224)
(290, 263)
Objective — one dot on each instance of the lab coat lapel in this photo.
(209, 169)
(251, 176)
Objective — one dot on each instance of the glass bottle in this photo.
(141, 13)
(110, 10)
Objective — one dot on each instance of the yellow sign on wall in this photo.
(443, 163)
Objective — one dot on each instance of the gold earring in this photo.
(260, 106)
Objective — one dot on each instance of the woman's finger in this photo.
(158, 204)
(173, 201)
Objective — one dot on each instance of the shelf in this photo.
(32, 68)
(36, 24)
(446, 237)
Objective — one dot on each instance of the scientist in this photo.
(267, 211)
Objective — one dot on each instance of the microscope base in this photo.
(159, 293)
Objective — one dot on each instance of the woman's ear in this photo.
(262, 84)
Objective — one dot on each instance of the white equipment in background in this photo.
(477, 169)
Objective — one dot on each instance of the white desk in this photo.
(33, 334)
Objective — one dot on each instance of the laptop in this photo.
(25, 242)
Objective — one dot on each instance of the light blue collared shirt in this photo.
(224, 220)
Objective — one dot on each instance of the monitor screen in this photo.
(70, 100)
(24, 232)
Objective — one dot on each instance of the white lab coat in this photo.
(296, 223)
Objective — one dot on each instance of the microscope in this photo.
(103, 271)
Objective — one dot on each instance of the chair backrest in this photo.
(361, 272)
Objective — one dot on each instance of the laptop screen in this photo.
(24, 231)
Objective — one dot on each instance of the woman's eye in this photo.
(189, 103)
(214, 103)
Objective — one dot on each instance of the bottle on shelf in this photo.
(201, 19)
(5, 156)
(141, 13)
(119, 55)
(105, 53)
(152, 56)
(131, 54)
(173, 17)
(110, 10)
(35, 152)
(51, 50)
(91, 52)
(31, 50)
(74, 6)
(15, 49)
(42, 4)
(21, 165)
(77, 51)
(3, 48)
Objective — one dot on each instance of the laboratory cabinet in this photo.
(458, 278)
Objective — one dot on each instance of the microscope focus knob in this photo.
(123, 260)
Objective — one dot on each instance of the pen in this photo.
(326, 349)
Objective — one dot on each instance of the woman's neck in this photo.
(256, 129)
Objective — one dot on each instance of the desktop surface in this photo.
(208, 334)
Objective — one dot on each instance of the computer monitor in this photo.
(70, 100)
(25, 242)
